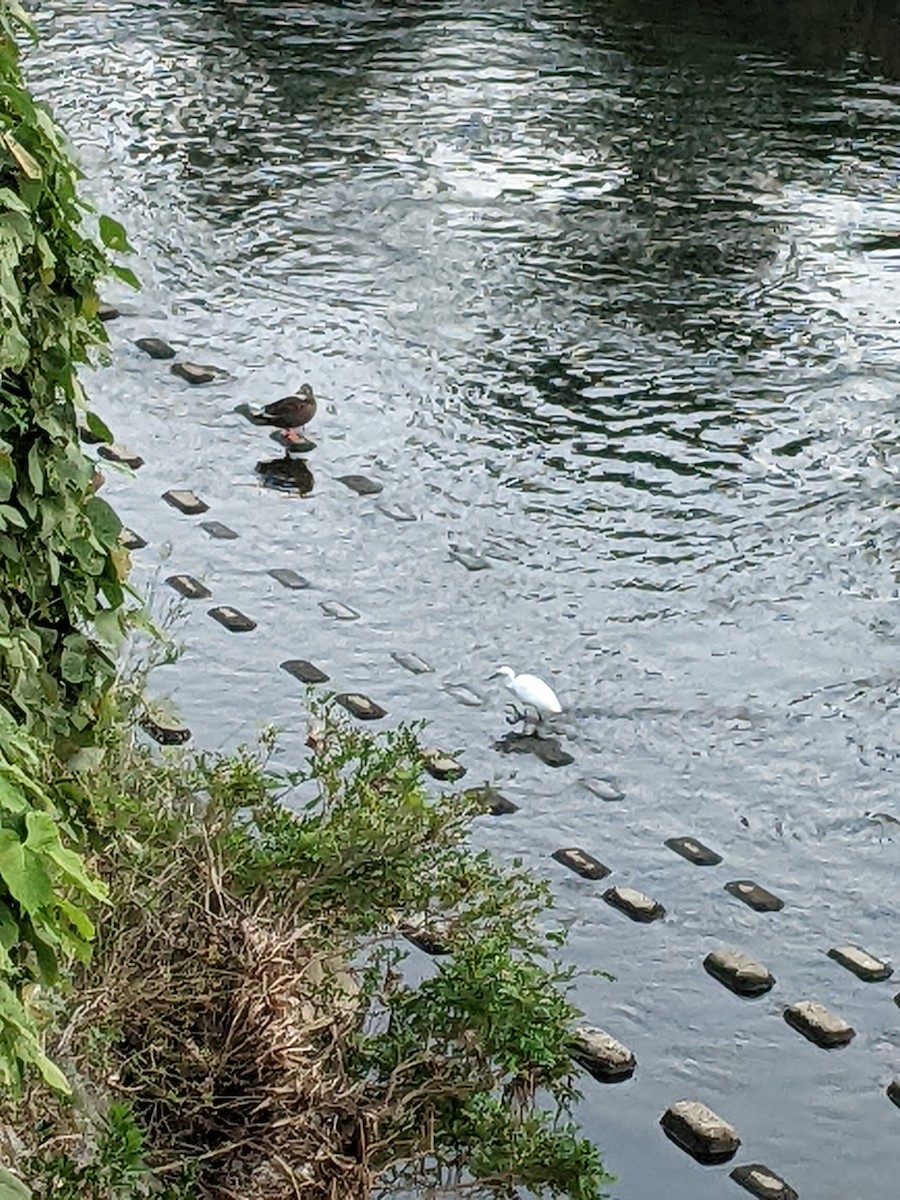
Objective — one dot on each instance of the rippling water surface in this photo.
(615, 308)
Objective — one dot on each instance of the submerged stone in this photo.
(548, 750)
(605, 790)
(634, 904)
(189, 587)
(463, 695)
(861, 963)
(697, 1129)
(581, 862)
(185, 501)
(361, 484)
(107, 312)
(893, 1091)
(233, 619)
(217, 530)
(493, 801)
(122, 455)
(757, 897)
(196, 373)
(411, 662)
(742, 974)
(155, 347)
(694, 851)
(605, 1058)
(131, 540)
(472, 562)
(305, 671)
(341, 612)
(442, 766)
(165, 729)
(396, 512)
(763, 1182)
(819, 1025)
(289, 579)
(361, 706)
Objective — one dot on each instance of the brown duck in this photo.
(290, 412)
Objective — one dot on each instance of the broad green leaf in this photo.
(9, 199)
(126, 275)
(23, 873)
(43, 837)
(97, 428)
(36, 470)
(11, 516)
(12, 1188)
(11, 798)
(104, 521)
(113, 235)
(29, 167)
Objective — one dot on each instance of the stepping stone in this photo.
(897, 999)
(548, 750)
(463, 695)
(165, 729)
(739, 972)
(305, 671)
(493, 801)
(186, 502)
(605, 790)
(131, 540)
(472, 562)
(893, 1091)
(605, 1058)
(195, 373)
(121, 454)
(581, 863)
(216, 529)
(155, 347)
(757, 897)
(361, 706)
(815, 1022)
(189, 587)
(634, 904)
(289, 579)
(411, 662)
(396, 512)
(697, 1130)
(432, 941)
(361, 484)
(442, 766)
(694, 851)
(861, 963)
(233, 620)
(107, 312)
(341, 612)
(763, 1182)
(294, 445)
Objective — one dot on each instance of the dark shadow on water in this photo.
(547, 749)
(288, 474)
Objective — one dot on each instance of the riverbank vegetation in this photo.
(204, 984)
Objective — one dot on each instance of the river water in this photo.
(613, 306)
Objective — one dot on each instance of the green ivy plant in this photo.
(63, 571)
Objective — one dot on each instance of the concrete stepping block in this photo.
(217, 530)
(185, 501)
(232, 618)
(196, 373)
(122, 455)
(305, 671)
(341, 612)
(298, 444)
(893, 1091)
(155, 347)
(763, 1182)
(694, 851)
(757, 897)
(491, 800)
(861, 963)
(472, 562)
(131, 540)
(581, 863)
(107, 312)
(698, 1131)
(411, 662)
(396, 512)
(739, 972)
(361, 484)
(463, 694)
(361, 706)
(165, 729)
(442, 766)
(432, 940)
(189, 587)
(605, 790)
(289, 579)
(600, 1053)
(634, 904)
(819, 1025)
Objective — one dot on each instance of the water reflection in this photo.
(287, 474)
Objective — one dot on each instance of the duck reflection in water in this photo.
(287, 474)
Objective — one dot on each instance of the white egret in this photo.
(533, 692)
